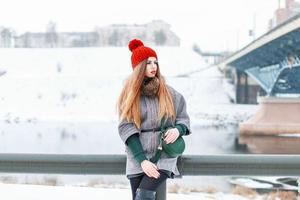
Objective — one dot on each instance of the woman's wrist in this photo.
(140, 158)
(143, 161)
(181, 128)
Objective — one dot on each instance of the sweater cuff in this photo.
(181, 128)
(136, 148)
(140, 158)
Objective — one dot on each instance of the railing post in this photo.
(161, 192)
(298, 182)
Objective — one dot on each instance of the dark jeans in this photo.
(146, 182)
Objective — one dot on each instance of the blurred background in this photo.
(63, 63)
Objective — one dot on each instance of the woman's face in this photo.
(151, 67)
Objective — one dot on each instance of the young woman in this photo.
(145, 104)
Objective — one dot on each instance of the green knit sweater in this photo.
(136, 148)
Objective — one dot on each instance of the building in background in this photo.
(291, 9)
(156, 33)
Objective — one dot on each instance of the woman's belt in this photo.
(151, 129)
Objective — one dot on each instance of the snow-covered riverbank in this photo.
(83, 85)
(64, 101)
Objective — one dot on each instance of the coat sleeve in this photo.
(181, 114)
(127, 129)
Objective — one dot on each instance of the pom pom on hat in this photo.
(135, 43)
(139, 52)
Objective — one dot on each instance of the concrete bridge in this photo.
(272, 61)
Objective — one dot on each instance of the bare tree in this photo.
(6, 35)
(51, 35)
(160, 37)
(114, 38)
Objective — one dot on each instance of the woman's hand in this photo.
(171, 135)
(150, 169)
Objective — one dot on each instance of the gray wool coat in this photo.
(150, 139)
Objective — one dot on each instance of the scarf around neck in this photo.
(150, 86)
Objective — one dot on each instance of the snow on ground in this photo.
(73, 84)
(208, 103)
(82, 84)
(37, 192)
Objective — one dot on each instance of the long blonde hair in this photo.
(128, 104)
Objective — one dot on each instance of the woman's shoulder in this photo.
(174, 92)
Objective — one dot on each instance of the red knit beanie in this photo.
(139, 52)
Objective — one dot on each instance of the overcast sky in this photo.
(212, 24)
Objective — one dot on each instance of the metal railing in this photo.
(188, 165)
